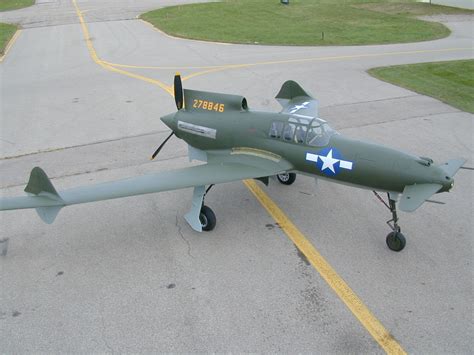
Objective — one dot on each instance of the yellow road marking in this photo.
(108, 66)
(342, 289)
(352, 301)
(290, 61)
(10, 44)
(193, 75)
(168, 89)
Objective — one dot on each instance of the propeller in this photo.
(178, 91)
(178, 98)
(161, 146)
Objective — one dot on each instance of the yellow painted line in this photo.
(352, 301)
(168, 89)
(107, 66)
(342, 289)
(290, 61)
(193, 75)
(10, 44)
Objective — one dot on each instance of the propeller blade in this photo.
(161, 146)
(178, 91)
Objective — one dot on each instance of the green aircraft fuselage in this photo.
(373, 166)
(239, 144)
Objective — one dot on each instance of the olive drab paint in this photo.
(238, 143)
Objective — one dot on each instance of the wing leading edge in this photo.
(221, 168)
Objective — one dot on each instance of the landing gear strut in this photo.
(207, 216)
(395, 239)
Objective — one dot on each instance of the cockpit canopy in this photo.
(303, 130)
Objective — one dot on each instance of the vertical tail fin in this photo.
(40, 185)
(294, 99)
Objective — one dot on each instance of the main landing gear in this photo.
(206, 215)
(395, 239)
(286, 178)
(207, 218)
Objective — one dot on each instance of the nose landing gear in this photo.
(395, 240)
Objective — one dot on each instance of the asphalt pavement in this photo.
(131, 276)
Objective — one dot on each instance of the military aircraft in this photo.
(237, 143)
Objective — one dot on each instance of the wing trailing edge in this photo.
(414, 196)
(223, 167)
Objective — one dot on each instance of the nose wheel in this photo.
(395, 239)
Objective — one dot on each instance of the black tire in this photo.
(286, 178)
(207, 218)
(396, 241)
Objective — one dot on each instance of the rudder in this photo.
(39, 184)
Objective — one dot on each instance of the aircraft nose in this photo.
(169, 121)
(446, 181)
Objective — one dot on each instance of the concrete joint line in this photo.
(340, 287)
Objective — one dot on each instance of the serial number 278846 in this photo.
(209, 105)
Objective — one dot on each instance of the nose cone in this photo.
(448, 184)
(169, 121)
(443, 179)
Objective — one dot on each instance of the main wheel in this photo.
(396, 241)
(207, 218)
(286, 178)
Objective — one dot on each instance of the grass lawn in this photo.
(7, 5)
(303, 22)
(412, 8)
(6, 33)
(451, 82)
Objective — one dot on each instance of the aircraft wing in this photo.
(221, 168)
(414, 196)
(295, 100)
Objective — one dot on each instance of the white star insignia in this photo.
(328, 162)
